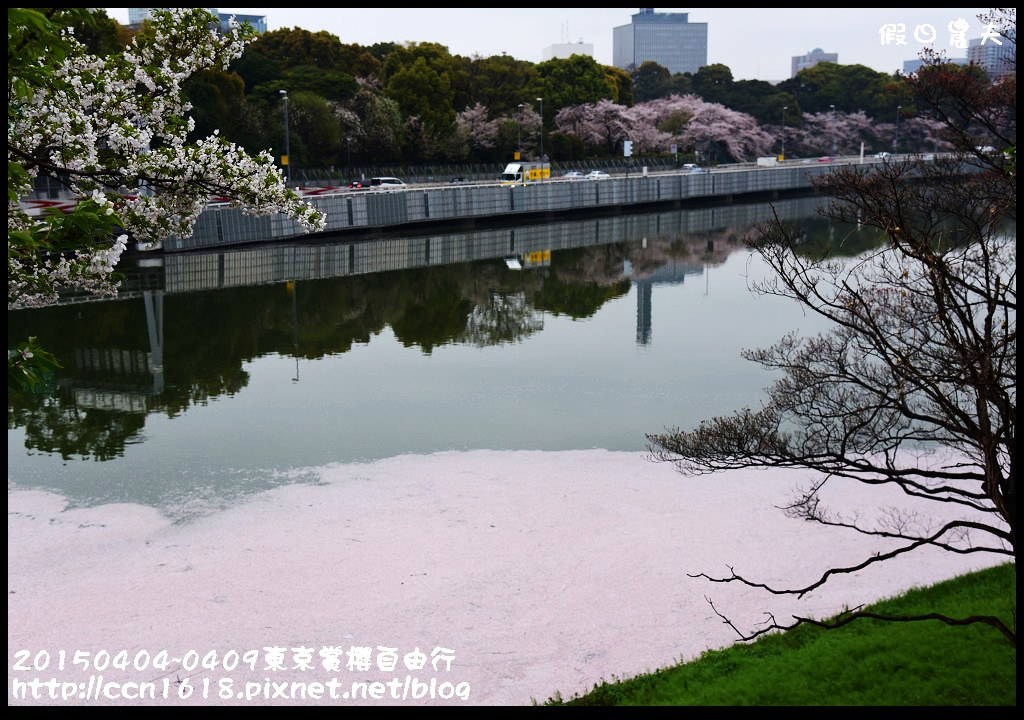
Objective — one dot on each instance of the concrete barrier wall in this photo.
(222, 226)
(277, 263)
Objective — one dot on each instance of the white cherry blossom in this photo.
(114, 130)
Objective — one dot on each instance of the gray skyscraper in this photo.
(668, 39)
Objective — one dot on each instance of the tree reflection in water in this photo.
(113, 376)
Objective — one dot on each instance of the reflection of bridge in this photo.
(254, 265)
(122, 379)
(265, 264)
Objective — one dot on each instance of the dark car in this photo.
(458, 180)
(359, 185)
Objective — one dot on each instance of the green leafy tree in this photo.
(622, 84)
(762, 100)
(331, 85)
(460, 75)
(257, 128)
(292, 47)
(381, 134)
(256, 69)
(422, 93)
(714, 83)
(217, 98)
(381, 50)
(851, 88)
(401, 57)
(578, 80)
(358, 61)
(651, 81)
(315, 133)
(681, 84)
(101, 35)
(501, 82)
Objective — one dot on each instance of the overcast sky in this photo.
(755, 43)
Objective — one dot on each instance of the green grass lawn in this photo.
(867, 662)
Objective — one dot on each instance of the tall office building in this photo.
(137, 15)
(669, 39)
(815, 56)
(998, 60)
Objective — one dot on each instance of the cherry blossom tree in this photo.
(820, 132)
(842, 133)
(653, 126)
(112, 131)
(529, 126)
(602, 125)
(711, 123)
(608, 125)
(572, 119)
(642, 121)
(480, 132)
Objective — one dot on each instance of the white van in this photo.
(384, 183)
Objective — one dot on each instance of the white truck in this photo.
(770, 161)
(520, 173)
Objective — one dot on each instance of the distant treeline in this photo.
(351, 104)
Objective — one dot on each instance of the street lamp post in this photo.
(784, 109)
(519, 132)
(287, 150)
(896, 140)
(541, 101)
(833, 130)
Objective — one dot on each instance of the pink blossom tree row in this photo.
(694, 125)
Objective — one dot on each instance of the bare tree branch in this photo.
(913, 387)
(849, 616)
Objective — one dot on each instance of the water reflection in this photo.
(187, 335)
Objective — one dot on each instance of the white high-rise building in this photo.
(567, 50)
(998, 60)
